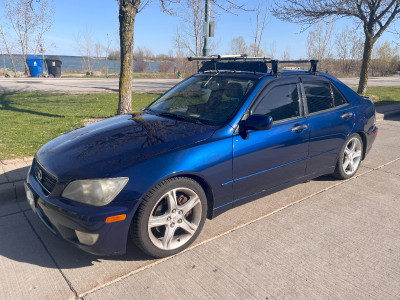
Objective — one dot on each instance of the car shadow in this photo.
(325, 178)
(15, 174)
(392, 117)
(29, 241)
(24, 238)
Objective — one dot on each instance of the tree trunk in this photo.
(366, 62)
(127, 13)
(27, 71)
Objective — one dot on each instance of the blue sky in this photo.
(155, 29)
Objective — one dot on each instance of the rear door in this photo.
(330, 119)
(269, 158)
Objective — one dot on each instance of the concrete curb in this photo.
(386, 111)
(13, 172)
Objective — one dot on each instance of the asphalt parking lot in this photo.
(93, 85)
(321, 239)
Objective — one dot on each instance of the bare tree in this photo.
(375, 16)
(183, 65)
(98, 49)
(348, 46)
(319, 42)
(148, 53)
(30, 20)
(8, 50)
(106, 49)
(255, 51)
(189, 34)
(238, 46)
(166, 66)
(141, 53)
(272, 49)
(86, 47)
(114, 55)
(138, 54)
(261, 13)
(385, 59)
(190, 31)
(286, 54)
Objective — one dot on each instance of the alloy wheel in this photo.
(352, 156)
(175, 218)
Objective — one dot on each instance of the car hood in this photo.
(107, 147)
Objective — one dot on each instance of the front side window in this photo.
(318, 96)
(280, 102)
(210, 99)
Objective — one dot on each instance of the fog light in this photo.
(87, 238)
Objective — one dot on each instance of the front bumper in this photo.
(83, 225)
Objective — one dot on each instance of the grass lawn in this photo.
(29, 120)
(384, 95)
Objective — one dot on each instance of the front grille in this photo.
(47, 180)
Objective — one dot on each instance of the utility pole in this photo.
(42, 49)
(206, 49)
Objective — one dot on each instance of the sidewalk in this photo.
(13, 172)
(323, 239)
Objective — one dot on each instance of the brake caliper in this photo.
(182, 199)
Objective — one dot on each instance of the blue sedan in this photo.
(234, 132)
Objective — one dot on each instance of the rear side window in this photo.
(281, 102)
(318, 95)
(338, 98)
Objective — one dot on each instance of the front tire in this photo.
(350, 157)
(170, 217)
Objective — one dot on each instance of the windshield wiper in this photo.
(180, 117)
(149, 110)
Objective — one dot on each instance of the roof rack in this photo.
(239, 57)
(248, 64)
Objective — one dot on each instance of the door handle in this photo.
(299, 128)
(346, 115)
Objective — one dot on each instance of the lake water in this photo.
(77, 64)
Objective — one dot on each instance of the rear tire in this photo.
(350, 157)
(170, 217)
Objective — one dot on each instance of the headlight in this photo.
(97, 192)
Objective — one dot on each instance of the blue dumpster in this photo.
(35, 65)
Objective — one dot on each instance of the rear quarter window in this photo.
(338, 98)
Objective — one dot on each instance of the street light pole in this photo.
(206, 50)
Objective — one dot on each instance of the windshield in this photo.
(209, 99)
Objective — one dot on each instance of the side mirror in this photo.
(258, 122)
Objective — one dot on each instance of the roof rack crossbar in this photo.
(276, 64)
(242, 57)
